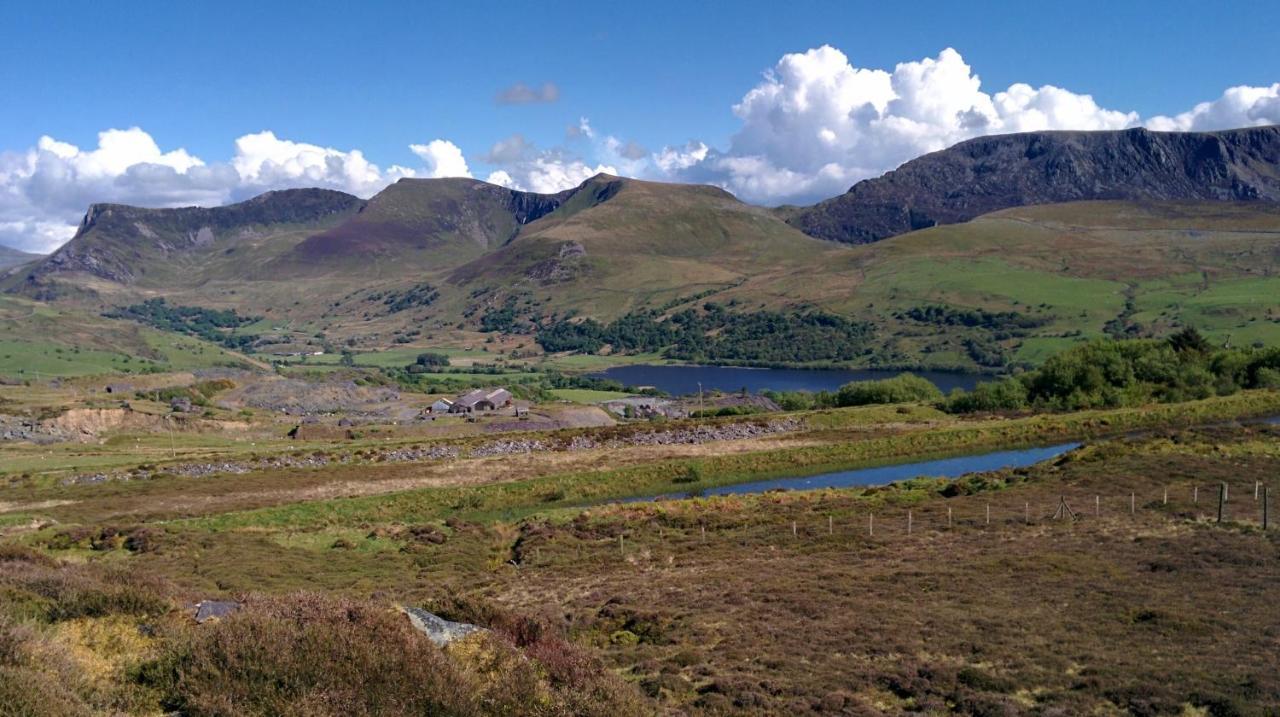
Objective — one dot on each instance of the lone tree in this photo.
(1189, 339)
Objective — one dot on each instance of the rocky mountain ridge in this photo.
(1002, 171)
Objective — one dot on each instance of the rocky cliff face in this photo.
(991, 173)
(456, 219)
(116, 241)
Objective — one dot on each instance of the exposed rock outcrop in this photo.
(990, 173)
(437, 629)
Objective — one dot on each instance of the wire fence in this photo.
(1237, 505)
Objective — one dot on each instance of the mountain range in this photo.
(1129, 213)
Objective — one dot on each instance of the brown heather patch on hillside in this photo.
(1145, 614)
(1150, 613)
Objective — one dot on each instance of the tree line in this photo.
(717, 335)
(1105, 373)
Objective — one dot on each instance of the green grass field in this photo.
(42, 340)
(583, 395)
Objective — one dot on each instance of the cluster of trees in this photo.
(903, 388)
(717, 335)
(215, 325)
(1106, 373)
(415, 296)
(973, 318)
(432, 359)
(986, 352)
(505, 320)
(1111, 373)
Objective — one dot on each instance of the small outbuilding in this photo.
(442, 405)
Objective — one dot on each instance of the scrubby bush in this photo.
(1009, 394)
(903, 388)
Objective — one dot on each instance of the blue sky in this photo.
(379, 77)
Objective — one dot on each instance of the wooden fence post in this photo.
(1265, 500)
(1257, 485)
(831, 526)
(948, 516)
(1195, 494)
(622, 548)
(1026, 512)
(988, 514)
(1133, 504)
(1097, 505)
(871, 524)
(1222, 499)
(1165, 500)
(704, 532)
(793, 529)
(909, 520)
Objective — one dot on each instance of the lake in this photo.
(683, 380)
(882, 475)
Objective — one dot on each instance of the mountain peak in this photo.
(995, 172)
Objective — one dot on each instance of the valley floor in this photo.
(974, 596)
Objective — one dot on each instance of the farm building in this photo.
(481, 399)
(442, 405)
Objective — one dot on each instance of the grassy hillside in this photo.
(1078, 269)
(647, 245)
(415, 224)
(40, 340)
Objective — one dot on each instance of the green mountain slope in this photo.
(40, 339)
(423, 224)
(623, 244)
(1073, 270)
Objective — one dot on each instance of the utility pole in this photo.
(1265, 512)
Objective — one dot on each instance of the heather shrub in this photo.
(25, 692)
(63, 592)
(308, 654)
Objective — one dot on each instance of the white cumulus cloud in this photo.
(443, 158)
(816, 123)
(522, 165)
(548, 174)
(263, 160)
(1237, 107)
